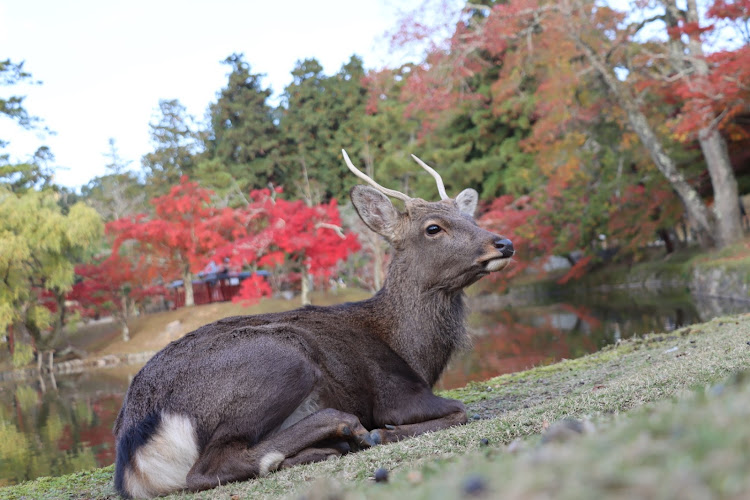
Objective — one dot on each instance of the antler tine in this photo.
(390, 192)
(438, 179)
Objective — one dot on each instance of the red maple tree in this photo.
(182, 235)
(115, 285)
(302, 241)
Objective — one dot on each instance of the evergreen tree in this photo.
(175, 138)
(34, 172)
(118, 193)
(320, 116)
(242, 146)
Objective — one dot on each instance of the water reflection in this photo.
(516, 338)
(51, 427)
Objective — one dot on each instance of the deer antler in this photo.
(390, 192)
(438, 179)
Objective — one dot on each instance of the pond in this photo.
(567, 324)
(54, 427)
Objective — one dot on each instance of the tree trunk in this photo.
(726, 193)
(665, 237)
(187, 283)
(305, 295)
(11, 340)
(714, 147)
(697, 211)
(123, 318)
(125, 330)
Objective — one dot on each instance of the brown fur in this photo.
(276, 390)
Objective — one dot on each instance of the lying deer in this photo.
(247, 395)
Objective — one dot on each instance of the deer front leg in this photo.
(444, 412)
(223, 462)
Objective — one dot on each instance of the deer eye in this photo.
(433, 229)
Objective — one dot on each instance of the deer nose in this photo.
(505, 246)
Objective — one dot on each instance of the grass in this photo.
(669, 415)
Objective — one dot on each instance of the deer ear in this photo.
(467, 202)
(375, 210)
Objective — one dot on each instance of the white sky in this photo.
(105, 64)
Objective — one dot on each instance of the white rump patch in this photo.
(270, 462)
(162, 464)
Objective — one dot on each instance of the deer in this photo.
(248, 395)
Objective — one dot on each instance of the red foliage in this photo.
(641, 211)
(279, 232)
(730, 10)
(517, 219)
(252, 289)
(183, 234)
(715, 91)
(106, 283)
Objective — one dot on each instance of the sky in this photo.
(104, 65)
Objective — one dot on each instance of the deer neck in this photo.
(425, 327)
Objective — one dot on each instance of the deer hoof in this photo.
(377, 436)
(367, 441)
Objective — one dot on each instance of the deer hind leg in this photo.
(224, 462)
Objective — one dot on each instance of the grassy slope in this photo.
(659, 432)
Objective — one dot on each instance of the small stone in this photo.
(565, 429)
(716, 390)
(484, 442)
(515, 446)
(476, 416)
(475, 486)
(381, 475)
(414, 477)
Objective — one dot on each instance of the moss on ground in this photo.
(669, 413)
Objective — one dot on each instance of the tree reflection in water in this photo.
(511, 340)
(54, 426)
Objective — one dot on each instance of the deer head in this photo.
(438, 244)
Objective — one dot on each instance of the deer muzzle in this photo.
(501, 255)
